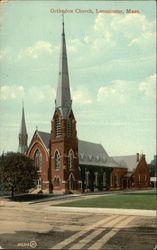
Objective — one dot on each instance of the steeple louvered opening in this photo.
(58, 127)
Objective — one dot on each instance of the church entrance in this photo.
(39, 183)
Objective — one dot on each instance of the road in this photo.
(25, 226)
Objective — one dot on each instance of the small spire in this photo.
(23, 136)
(36, 128)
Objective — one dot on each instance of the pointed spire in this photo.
(23, 136)
(63, 97)
(63, 23)
(23, 129)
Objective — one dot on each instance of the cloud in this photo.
(148, 87)
(133, 29)
(35, 94)
(125, 91)
(11, 92)
(5, 53)
(145, 39)
(81, 96)
(117, 91)
(36, 50)
(2, 54)
(41, 94)
(74, 45)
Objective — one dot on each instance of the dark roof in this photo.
(93, 154)
(45, 138)
(90, 154)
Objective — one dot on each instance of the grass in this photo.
(128, 201)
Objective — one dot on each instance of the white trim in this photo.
(63, 182)
(59, 156)
(41, 145)
(55, 152)
(72, 176)
(71, 152)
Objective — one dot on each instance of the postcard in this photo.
(78, 97)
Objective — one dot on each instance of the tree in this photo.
(17, 172)
(153, 167)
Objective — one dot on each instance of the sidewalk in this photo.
(138, 212)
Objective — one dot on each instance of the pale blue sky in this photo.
(112, 72)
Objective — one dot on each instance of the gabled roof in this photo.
(128, 161)
(45, 138)
(93, 154)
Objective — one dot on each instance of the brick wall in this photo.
(63, 144)
(141, 176)
(37, 144)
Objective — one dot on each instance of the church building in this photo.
(66, 164)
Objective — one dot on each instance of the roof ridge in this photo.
(123, 155)
(43, 132)
(90, 142)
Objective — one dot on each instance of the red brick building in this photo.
(137, 175)
(66, 164)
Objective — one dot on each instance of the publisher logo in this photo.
(33, 244)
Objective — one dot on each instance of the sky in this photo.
(112, 71)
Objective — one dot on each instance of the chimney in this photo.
(137, 157)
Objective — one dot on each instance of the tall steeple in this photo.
(63, 98)
(64, 141)
(23, 136)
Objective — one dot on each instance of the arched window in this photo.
(70, 159)
(56, 182)
(38, 160)
(71, 181)
(57, 160)
(58, 127)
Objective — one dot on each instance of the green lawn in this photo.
(129, 201)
